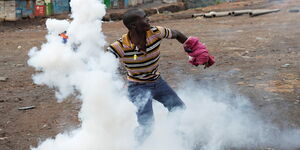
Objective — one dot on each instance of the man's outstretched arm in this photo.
(178, 36)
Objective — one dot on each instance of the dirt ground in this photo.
(257, 56)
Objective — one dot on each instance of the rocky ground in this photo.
(256, 56)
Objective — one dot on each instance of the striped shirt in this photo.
(141, 67)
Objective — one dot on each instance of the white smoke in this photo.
(107, 116)
(217, 118)
(214, 119)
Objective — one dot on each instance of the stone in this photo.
(3, 79)
(251, 85)
(46, 126)
(246, 57)
(18, 99)
(3, 138)
(285, 65)
(259, 38)
(259, 78)
(245, 53)
(240, 83)
(19, 65)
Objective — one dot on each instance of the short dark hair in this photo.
(131, 16)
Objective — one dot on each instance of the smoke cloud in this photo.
(214, 119)
(81, 66)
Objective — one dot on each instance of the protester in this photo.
(139, 51)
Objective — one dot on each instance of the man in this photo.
(139, 51)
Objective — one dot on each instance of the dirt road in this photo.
(258, 57)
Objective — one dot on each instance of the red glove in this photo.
(198, 52)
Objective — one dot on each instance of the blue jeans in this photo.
(141, 94)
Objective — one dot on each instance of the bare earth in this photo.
(258, 57)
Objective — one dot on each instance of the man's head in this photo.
(136, 19)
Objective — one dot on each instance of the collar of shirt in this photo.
(129, 44)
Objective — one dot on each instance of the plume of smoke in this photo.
(214, 119)
(107, 116)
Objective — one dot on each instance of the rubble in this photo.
(46, 126)
(241, 83)
(19, 65)
(285, 65)
(18, 99)
(3, 138)
(259, 78)
(245, 53)
(250, 85)
(3, 79)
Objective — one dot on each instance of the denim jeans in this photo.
(142, 94)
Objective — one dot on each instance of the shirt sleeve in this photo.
(164, 32)
(115, 49)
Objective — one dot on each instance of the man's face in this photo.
(142, 24)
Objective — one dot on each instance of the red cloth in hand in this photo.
(198, 52)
